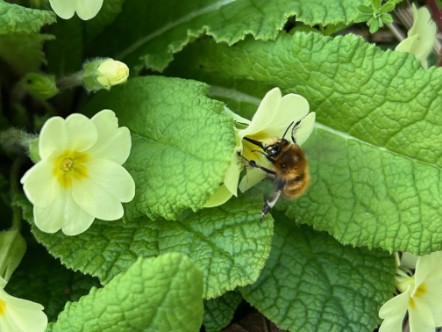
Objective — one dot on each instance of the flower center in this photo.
(70, 166)
(419, 292)
(2, 307)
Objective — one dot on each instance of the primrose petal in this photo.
(88, 9)
(64, 8)
(20, 315)
(53, 137)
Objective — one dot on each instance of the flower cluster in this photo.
(79, 176)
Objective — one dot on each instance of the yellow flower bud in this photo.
(104, 73)
(112, 72)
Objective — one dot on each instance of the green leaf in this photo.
(162, 32)
(219, 312)
(42, 279)
(387, 7)
(65, 53)
(376, 4)
(375, 197)
(387, 18)
(18, 19)
(374, 24)
(106, 15)
(181, 142)
(154, 294)
(312, 283)
(380, 107)
(365, 10)
(227, 243)
(23, 51)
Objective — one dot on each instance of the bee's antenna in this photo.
(285, 132)
(257, 143)
(295, 126)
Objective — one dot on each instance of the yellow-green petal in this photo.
(21, 315)
(265, 113)
(102, 192)
(421, 36)
(113, 143)
(52, 137)
(40, 185)
(81, 132)
(219, 197)
(393, 313)
(63, 8)
(420, 318)
(63, 214)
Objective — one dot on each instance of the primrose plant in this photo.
(173, 170)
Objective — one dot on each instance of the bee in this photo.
(289, 167)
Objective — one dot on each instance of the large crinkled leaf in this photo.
(42, 279)
(219, 312)
(227, 243)
(367, 195)
(20, 43)
(313, 283)
(23, 51)
(161, 32)
(18, 19)
(154, 294)
(181, 142)
(376, 173)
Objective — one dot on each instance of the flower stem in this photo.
(70, 81)
(15, 189)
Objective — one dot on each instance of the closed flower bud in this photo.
(41, 86)
(104, 73)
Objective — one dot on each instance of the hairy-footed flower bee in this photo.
(289, 167)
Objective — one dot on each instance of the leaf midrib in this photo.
(184, 19)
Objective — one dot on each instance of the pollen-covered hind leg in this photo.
(272, 199)
(270, 203)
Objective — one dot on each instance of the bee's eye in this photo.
(273, 150)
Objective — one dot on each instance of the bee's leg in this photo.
(270, 203)
(272, 199)
(252, 163)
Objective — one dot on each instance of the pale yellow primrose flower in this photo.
(274, 114)
(85, 9)
(421, 36)
(79, 177)
(18, 315)
(421, 296)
